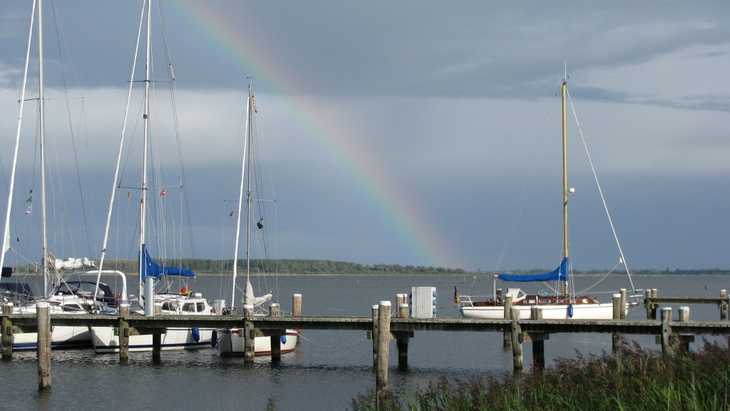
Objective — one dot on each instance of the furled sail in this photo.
(250, 298)
(155, 270)
(560, 273)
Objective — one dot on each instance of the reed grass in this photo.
(635, 379)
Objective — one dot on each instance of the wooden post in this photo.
(684, 339)
(647, 303)
(374, 313)
(7, 330)
(43, 345)
(381, 374)
(516, 336)
(249, 336)
(724, 310)
(275, 312)
(296, 305)
(401, 298)
(616, 337)
(403, 310)
(624, 302)
(654, 306)
(507, 337)
(723, 305)
(538, 342)
(683, 314)
(402, 338)
(123, 333)
(667, 330)
(157, 336)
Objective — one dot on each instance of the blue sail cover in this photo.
(560, 273)
(155, 270)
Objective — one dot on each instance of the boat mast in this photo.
(240, 198)
(249, 197)
(149, 282)
(11, 186)
(42, 129)
(564, 95)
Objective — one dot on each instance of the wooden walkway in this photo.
(672, 334)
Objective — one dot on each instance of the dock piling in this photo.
(123, 333)
(249, 336)
(616, 337)
(375, 317)
(7, 330)
(538, 341)
(654, 306)
(666, 330)
(43, 345)
(624, 302)
(685, 339)
(517, 338)
(275, 312)
(507, 337)
(723, 305)
(296, 305)
(402, 338)
(381, 375)
(157, 336)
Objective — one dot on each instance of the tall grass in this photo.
(636, 379)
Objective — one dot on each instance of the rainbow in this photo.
(424, 240)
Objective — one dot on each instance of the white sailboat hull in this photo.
(230, 343)
(549, 311)
(62, 337)
(106, 340)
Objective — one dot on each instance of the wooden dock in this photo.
(672, 334)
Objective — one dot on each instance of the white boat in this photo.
(231, 341)
(583, 308)
(562, 302)
(68, 298)
(105, 338)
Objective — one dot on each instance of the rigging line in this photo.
(601, 279)
(600, 192)
(71, 127)
(115, 181)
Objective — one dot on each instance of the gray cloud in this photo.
(455, 102)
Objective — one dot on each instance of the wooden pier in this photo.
(383, 325)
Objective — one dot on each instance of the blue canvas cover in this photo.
(155, 270)
(560, 273)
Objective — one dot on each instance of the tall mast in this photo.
(240, 198)
(42, 128)
(564, 97)
(149, 289)
(249, 197)
(11, 186)
(122, 138)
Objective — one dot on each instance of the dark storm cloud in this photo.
(383, 48)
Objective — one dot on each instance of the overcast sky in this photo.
(397, 132)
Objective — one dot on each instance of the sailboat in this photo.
(231, 341)
(106, 339)
(63, 297)
(561, 305)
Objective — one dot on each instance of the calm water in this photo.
(328, 369)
